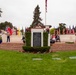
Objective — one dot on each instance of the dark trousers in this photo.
(8, 38)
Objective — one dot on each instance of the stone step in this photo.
(63, 47)
(11, 46)
(54, 48)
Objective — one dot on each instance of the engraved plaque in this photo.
(37, 39)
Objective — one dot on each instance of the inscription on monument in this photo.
(37, 39)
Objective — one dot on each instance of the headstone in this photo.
(37, 59)
(56, 58)
(72, 57)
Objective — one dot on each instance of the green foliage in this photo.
(28, 38)
(15, 27)
(36, 18)
(45, 39)
(0, 37)
(3, 25)
(16, 63)
(52, 31)
(36, 49)
(28, 48)
(0, 12)
(61, 27)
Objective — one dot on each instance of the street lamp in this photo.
(0, 12)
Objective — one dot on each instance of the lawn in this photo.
(16, 63)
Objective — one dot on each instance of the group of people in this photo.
(55, 38)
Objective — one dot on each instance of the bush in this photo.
(45, 39)
(52, 31)
(28, 38)
(69, 42)
(27, 48)
(36, 49)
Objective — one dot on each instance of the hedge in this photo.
(36, 49)
(28, 38)
(45, 39)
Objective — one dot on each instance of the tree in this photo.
(36, 18)
(61, 27)
(3, 25)
(0, 12)
(52, 31)
(75, 29)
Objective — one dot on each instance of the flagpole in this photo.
(45, 11)
(45, 15)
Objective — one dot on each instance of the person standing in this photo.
(8, 37)
(23, 38)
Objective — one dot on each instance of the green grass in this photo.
(16, 63)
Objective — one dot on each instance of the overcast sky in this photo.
(20, 12)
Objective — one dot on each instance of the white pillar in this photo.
(49, 39)
(31, 39)
(41, 39)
